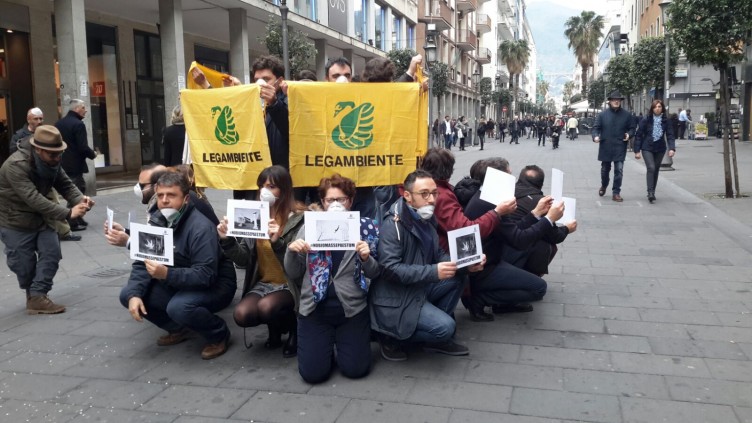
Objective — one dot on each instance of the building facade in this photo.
(129, 60)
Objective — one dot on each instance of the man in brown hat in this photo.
(613, 128)
(27, 210)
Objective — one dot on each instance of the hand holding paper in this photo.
(570, 205)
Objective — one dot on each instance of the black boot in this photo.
(290, 349)
(651, 196)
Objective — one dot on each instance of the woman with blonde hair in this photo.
(173, 138)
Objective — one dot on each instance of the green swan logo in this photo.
(224, 126)
(355, 129)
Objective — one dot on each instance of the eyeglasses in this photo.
(340, 200)
(53, 155)
(426, 194)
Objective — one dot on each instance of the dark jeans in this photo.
(618, 174)
(535, 259)
(33, 256)
(542, 137)
(172, 310)
(506, 284)
(327, 328)
(435, 322)
(448, 141)
(482, 139)
(682, 128)
(462, 143)
(653, 166)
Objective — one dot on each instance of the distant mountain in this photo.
(546, 20)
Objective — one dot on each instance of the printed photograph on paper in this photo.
(151, 243)
(465, 247)
(332, 230)
(248, 219)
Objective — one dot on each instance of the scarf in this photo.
(320, 262)
(657, 127)
(44, 170)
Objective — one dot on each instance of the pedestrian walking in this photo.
(612, 130)
(653, 137)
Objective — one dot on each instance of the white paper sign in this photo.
(570, 206)
(557, 184)
(465, 246)
(248, 219)
(110, 218)
(151, 243)
(498, 186)
(332, 230)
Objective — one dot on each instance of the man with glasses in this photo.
(27, 211)
(414, 298)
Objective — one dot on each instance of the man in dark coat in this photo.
(73, 131)
(613, 128)
(34, 118)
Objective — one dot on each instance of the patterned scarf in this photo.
(657, 127)
(320, 262)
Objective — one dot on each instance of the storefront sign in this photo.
(691, 95)
(338, 15)
(681, 73)
(98, 89)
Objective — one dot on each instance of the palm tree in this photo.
(568, 91)
(584, 33)
(515, 54)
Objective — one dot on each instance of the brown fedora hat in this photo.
(47, 137)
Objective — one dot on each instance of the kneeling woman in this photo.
(266, 296)
(333, 294)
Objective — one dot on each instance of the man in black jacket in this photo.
(613, 128)
(536, 258)
(34, 118)
(73, 131)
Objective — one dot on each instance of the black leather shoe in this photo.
(651, 197)
(290, 349)
(77, 228)
(512, 308)
(481, 316)
(70, 237)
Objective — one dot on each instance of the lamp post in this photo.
(667, 162)
(283, 10)
(476, 83)
(605, 76)
(430, 49)
(497, 106)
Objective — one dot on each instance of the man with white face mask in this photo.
(414, 298)
(183, 297)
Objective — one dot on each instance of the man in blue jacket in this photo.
(185, 296)
(613, 128)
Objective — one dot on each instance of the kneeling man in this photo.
(186, 296)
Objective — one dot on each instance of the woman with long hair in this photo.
(267, 297)
(654, 135)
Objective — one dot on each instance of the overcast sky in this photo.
(598, 6)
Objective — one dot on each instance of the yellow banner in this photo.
(227, 136)
(215, 78)
(367, 132)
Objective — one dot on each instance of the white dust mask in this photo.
(267, 195)
(137, 190)
(169, 213)
(342, 79)
(336, 206)
(425, 212)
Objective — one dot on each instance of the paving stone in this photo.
(566, 298)
(710, 391)
(666, 330)
(469, 416)
(198, 401)
(358, 411)
(736, 319)
(122, 416)
(631, 301)
(615, 383)
(565, 358)
(744, 414)
(56, 326)
(697, 348)
(108, 329)
(659, 365)
(730, 369)
(592, 341)
(191, 419)
(644, 410)
(112, 394)
(570, 324)
(568, 405)
(489, 351)
(720, 333)
(514, 375)
(603, 312)
(45, 343)
(281, 407)
(267, 378)
(470, 396)
(182, 365)
(680, 316)
(379, 386)
(16, 410)
(36, 362)
(36, 387)
(108, 347)
(110, 368)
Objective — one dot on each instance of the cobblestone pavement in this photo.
(647, 319)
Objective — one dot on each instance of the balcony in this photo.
(483, 56)
(436, 12)
(483, 23)
(505, 28)
(467, 5)
(466, 40)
